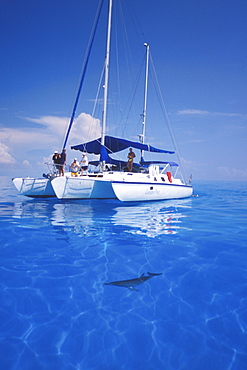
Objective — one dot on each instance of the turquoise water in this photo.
(55, 256)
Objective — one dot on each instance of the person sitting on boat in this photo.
(62, 162)
(84, 163)
(74, 168)
(131, 157)
(56, 160)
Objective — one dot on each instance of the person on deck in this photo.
(84, 163)
(74, 168)
(131, 157)
(56, 160)
(62, 162)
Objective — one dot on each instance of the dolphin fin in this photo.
(153, 274)
(131, 288)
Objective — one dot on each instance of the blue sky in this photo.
(200, 55)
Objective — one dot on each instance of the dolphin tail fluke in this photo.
(153, 274)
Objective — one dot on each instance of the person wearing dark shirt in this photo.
(62, 162)
(56, 160)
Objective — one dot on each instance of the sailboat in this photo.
(152, 180)
(149, 180)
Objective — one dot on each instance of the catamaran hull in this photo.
(82, 188)
(34, 188)
(137, 192)
(127, 187)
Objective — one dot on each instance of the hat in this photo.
(75, 159)
(55, 152)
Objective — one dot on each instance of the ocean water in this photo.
(55, 256)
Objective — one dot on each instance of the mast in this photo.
(107, 58)
(142, 136)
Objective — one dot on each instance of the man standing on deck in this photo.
(131, 157)
(84, 163)
(62, 161)
(56, 160)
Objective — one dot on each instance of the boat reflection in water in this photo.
(152, 219)
(92, 218)
(76, 217)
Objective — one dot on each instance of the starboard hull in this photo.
(34, 188)
(137, 191)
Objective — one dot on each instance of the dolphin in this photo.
(131, 283)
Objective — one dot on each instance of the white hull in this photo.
(34, 188)
(139, 187)
(125, 186)
(150, 191)
(82, 187)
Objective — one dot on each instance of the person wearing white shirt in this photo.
(84, 163)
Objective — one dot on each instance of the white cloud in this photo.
(5, 156)
(52, 134)
(84, 128)
(205, 112)
(31, 137)
(26, 147)
(26, 164)
(52, 123)
(193, 111)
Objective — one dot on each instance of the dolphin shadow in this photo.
(131, 283)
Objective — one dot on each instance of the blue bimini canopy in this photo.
(114, 144)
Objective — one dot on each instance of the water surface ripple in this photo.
(55, 312)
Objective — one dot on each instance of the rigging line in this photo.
(96, 100)
(117, 65)
(130, 101)
(85, 64)
(136, 24)
(128, 106)
(98, 91)
(128, 53)
(164, 110)
(127, 49)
